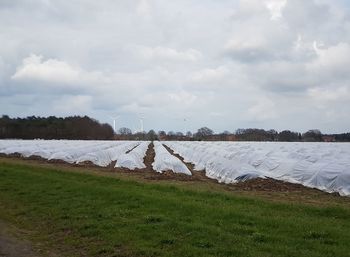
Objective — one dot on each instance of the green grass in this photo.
(80, 214)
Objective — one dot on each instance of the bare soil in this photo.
(11, 245)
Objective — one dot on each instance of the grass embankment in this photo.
(85, 215)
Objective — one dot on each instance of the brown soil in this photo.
(11, 245)
(149, 158)
(272, 185)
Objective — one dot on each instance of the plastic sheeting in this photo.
(103, 157)
(133, 159)
(325, 166)
(100, 153)
(74, 153)
(165, 161)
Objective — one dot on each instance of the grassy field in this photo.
(76, 214)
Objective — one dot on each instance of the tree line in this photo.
(250, 134)
(74, 127)
(86, 128)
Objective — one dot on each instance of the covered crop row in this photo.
(325, 166)
(101, 153)
(133, 159)
(164, 161)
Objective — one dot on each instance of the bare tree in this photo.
(189, 134)
(151, 135)
(124, 131)
(203, 132)
(313, 135)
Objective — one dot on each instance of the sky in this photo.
(179, 65)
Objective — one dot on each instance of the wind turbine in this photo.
(141, 117)
(114, 122)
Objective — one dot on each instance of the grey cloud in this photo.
(223, 64)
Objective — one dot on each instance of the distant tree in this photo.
(272, 135)
(189, 134)
(74, 127)
(288, 136)
(140, 136)
(224, 135)
(151, 135)
(171, 133)
(313, 135)
(203, 132)
(179, 134)
(253, 134)
(344, 137)
(161, 133)
(124, 131)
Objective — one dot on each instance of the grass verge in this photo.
(86, 215)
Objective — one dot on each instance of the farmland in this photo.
(75, 211)
(108, 198)
(324, 166)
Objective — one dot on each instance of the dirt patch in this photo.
(271, 185)
(36, 158)
(54, 161)
(11, 245)
(149, 157)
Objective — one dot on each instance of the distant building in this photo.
(328, 138)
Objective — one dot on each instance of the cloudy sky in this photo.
(228, 64)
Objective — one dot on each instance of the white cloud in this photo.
(182, 97)
(252, 61)
(275, 7)
(326, 94)
(171, 54)
(210, 75)
(264, 109)
(248, 48)
(144, 8)
(332, 60)
(73, 105)
(52, 70)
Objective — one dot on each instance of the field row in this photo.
(122, 154)
(325, 166)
